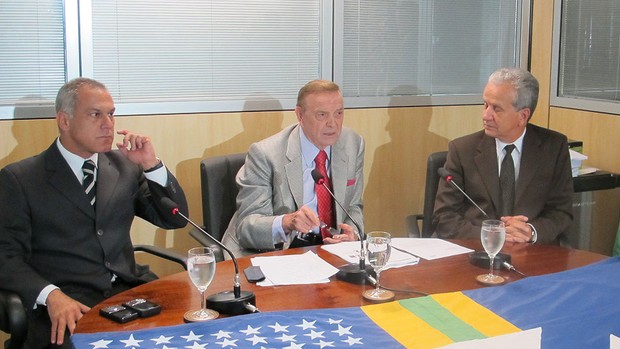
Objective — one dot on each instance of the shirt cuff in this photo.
(159, 176)
(534, 234)
(42, 298)
(277, 231)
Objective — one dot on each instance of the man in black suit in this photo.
(61, 249)
(540, 208)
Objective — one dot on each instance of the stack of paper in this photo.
(297, 269)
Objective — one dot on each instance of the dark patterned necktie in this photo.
(88, 168)
(507, 182)
(325, 204)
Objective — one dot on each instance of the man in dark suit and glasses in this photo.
(65, 214)
(512, 169)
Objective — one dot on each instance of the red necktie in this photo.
(325, 204)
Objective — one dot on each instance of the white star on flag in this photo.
(192, 337)
(332, 321)
(307, 324)
(279, 328)
(222, 334)
(100, 344)
(251, 330)
(295, 346)
(132, 342)
(162, 339)
(256, 339)
(228, 343)
(287, 338)
(314, 334)
(196, 345)
(343, 330)
(322, 344)
(350, 340)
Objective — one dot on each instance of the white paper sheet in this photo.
(529, 339)
(349, 251)
(430, 248)
(614, 342)
(297, 269)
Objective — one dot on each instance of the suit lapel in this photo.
(339, 177)
(293, 168)
(486, 162)
(61, 177)
(107, 179)
(529, 160)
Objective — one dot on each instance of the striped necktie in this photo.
(88, 168)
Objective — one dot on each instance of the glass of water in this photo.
(201, 270)
(378, 250)
(492, 236)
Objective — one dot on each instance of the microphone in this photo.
(353, 273)
(448, 177)
(226, 302)
(480, 259)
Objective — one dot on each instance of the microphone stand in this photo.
(233, 302)
(479, 258)
(352, 273)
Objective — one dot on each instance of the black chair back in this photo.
(219, 191)
(434, 162)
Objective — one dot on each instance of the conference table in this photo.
(176, 294)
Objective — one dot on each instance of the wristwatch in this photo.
(159, 165)
(534, 235)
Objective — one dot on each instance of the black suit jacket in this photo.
(49, 233)
(543, 190)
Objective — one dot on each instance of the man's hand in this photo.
(302, 220)
(517, 229)
(64, 313)
(138, 149)
(347, 234)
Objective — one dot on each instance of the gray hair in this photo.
(67, 95)
(316, 86)
(524, 83)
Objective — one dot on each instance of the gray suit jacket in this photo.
(270, 184)
(543, 190)
(49, 232)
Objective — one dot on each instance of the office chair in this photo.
(433, 163)
(219, 197)
(13, 318)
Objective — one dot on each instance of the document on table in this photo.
(429, 248)
(529, 339)
(415, 248)
(349, 251)
(297, 269)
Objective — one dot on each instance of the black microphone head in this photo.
(444, 173)
(317, 176)
(169, 205)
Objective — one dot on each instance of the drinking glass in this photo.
(378, 249)
(201, 270)
(492, 236)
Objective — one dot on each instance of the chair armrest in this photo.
(13, 318)
(163, 253)
(205, 240)
(412, 225)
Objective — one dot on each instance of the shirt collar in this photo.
(518, 143)
(75, 161)
(309, 151)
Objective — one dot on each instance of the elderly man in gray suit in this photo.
(535, 202)
(279, 204)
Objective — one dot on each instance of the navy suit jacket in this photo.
(50, 234)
